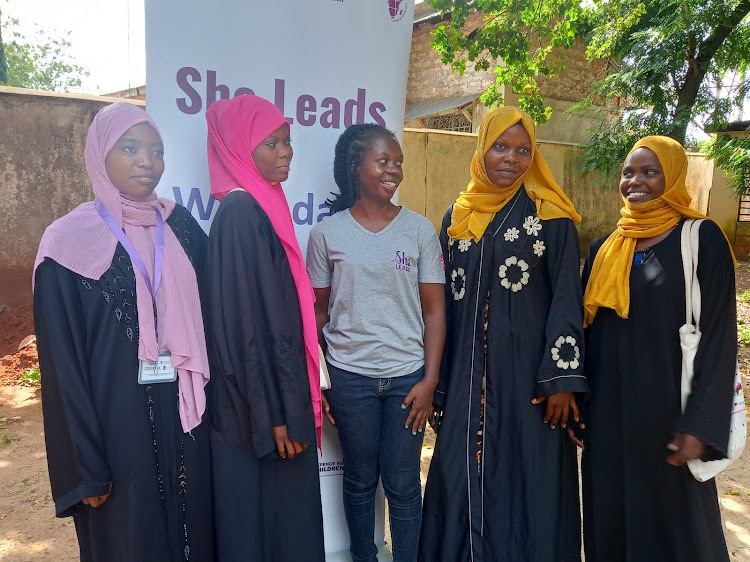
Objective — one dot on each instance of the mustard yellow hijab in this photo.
(476, 207)
(609, 283)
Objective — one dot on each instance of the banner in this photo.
(326, 64)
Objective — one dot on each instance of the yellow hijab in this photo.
(476, 207)
(609, 283)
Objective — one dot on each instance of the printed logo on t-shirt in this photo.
(402, 262)
(442, 262)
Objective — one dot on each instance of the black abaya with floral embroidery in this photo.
(502, 485)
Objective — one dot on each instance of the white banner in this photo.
(326, 64)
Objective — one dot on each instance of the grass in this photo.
(32, 377)
(744, 296)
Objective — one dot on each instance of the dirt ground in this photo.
(29, 531)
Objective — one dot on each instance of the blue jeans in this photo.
(375, 445)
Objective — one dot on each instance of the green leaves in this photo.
(516, 39)
(671, 63)
(41, 63)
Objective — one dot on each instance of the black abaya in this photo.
(638, 508)
(104, 429)
(521, 502)
(267, 508)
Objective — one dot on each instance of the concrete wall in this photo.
(42, 174)
(436, 169)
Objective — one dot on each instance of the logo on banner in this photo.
(397, 8)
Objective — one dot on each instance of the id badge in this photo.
(154, 372)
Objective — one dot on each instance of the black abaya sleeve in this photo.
(709, 406)
(255, 337)
(561, 369)
(75, 449)
(442, 386)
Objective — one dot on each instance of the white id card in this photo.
(161, 370)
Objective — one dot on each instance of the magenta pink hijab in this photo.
(235, 128)
(82, 242)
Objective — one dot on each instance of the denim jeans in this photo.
(375, 444)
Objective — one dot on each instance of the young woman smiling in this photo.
(640, 500)
(378, 275)
(503, 484)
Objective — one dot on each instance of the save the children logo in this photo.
(397, 9)
(402, 262)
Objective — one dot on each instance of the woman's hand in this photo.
(578, 441)
(686, 447)
(420, 397)
(286, 447)
(96, 501)
(559, 406)
(327, 408)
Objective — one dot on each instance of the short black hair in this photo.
(350, 148)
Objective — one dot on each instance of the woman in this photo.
(503, 481)
(640, 500)
(128, 456)
(263, 345)
(378, 275)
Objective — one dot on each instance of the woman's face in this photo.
(642, 177)
(509, 156)
(135, 164)
(273, 156)
(380, 171)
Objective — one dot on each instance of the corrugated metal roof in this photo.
(430, 107)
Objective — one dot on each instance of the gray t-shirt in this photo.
(375, 327)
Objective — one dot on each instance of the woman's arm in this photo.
(421, 394)
(322, 297)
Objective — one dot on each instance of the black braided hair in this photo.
(350, 148)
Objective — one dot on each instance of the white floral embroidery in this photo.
(561, 363)
(518, 270)
(512, 234)
(539, 248)
(464, 245)
(532, 225)
(450, 241)
(458, 275)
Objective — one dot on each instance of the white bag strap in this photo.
(690, 242)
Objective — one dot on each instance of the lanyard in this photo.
(133, 253)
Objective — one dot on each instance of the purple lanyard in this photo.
(133, 253)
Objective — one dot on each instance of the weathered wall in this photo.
(436, 169)
(42, 174)
(431, 79)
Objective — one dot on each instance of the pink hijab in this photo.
(235, 128)
(82, 242)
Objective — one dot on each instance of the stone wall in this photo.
(436, 169)
(42, 174)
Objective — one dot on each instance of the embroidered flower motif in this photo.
(512, 234)
(118, 314)
(539, 248)
(464, 245)
(573, 354)
(514, 274)
(532, 225)
(106, 296)
(129, 333)
(458, 283)
(86, 284)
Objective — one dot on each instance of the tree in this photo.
(3, 64)
(42, 64)
(671, 64)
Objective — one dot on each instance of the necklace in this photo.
(515, 200)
